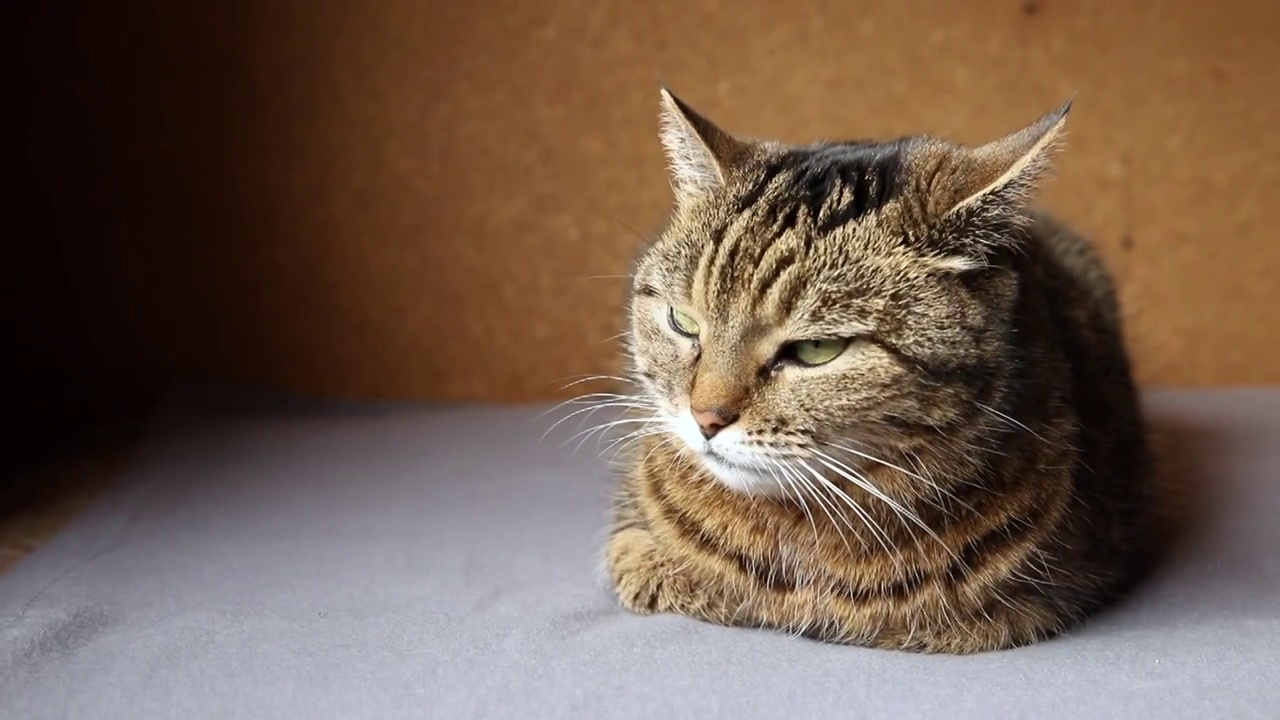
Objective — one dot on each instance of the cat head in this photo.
(820, 304)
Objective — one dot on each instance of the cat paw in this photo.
(644, 583)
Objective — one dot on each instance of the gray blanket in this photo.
(267, 558)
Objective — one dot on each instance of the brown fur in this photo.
(970, 474)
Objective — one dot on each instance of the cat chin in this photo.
(743, 480)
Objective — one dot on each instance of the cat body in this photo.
(886, 401)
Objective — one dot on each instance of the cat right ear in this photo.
(699, 154)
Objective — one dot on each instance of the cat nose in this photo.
(713, 421)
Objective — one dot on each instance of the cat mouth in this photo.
(714, 456)
(734, 465)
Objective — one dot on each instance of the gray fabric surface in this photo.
(267, 559)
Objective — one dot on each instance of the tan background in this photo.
(415, 199)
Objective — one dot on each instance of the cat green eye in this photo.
(682, 323)
(817, 352)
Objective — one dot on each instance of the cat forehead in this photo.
(815, 191)
(834, 211)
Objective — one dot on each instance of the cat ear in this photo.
(1003, 172)
(973, 197)
(699, 153)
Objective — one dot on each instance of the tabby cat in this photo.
(886, 401)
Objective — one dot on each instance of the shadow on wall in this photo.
(148, 213)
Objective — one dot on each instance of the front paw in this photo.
(642, 580)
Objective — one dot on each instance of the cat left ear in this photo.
(1005, 171)
(699, 153)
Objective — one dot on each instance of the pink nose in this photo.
(713, 421)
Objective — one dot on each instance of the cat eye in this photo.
(682, 323)
(815, 352)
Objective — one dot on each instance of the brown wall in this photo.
(412, 199)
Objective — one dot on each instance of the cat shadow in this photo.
(1183, 449)
(1189, 576)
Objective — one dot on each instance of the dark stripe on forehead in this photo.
(870, 178)
(786, 220)
(725, 252)
(711, 254)
(841, 182)
(759, 186)
(750, 264)
(823, 187)
(852, 178)
(726, 270)
(770, 268)
(718, 233)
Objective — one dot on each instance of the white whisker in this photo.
(942, 494)
(903, 513)
(1013, 421)
(768, 466)
(602, 427)
(664, 442)
(816, 494)
(876, 529)
(804, 506)
(632, 437)
(822, 482)
(589, 378)
(854, 477)
(587, 400)
(589, 410)
(874, 459)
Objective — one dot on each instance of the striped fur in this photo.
(970, 474)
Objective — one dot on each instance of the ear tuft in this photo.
(699, 154)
